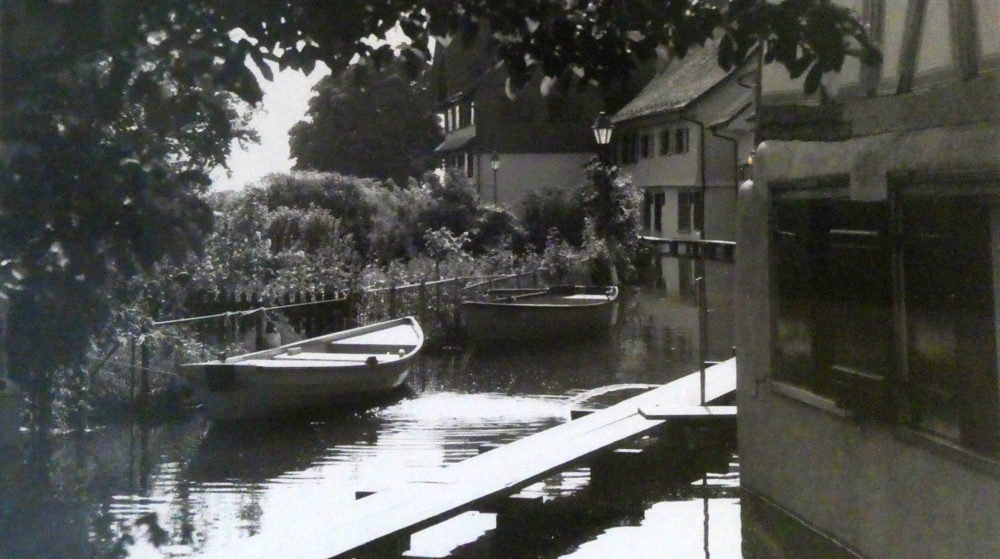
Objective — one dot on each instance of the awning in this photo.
(460, 139)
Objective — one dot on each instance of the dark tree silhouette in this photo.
(376, 123)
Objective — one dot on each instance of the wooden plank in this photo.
(370, 349)
(909, 50)
(686, 412)
(352, 357)
(449, 491)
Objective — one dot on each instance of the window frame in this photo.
(960, 188)
(645, 145)
(665, 143)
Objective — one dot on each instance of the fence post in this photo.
(438, 304)
(456, 304)
(422, 302)
(144, 377)
(259, 320)
(702, 323)
(132, 371)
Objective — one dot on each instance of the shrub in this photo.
(549, 209)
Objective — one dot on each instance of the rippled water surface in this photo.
(187, 488)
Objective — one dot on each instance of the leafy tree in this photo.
(112, 112)
(598, 40)
(368, 123)
(109, 121)
(613, 208)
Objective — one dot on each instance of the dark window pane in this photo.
(665, 142)
(951, 331)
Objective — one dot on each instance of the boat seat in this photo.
(369, 349)
(323, 356)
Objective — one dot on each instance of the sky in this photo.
(285, 102)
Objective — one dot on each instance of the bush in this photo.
(553, 208)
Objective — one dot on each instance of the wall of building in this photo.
(720, 213)
(673, 169)
(863, 484)
(878, 488)
(520, 173)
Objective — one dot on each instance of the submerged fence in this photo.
(239, 323)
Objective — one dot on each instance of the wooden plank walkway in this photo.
(502, 471)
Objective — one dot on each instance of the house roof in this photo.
(738, 116)
(459, 139)
(683, 81)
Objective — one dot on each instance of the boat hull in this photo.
(298, 376)
(555, 314)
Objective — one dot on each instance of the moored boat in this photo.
(327, 370)
(566, 311)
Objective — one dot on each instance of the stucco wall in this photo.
(673, 169)
(868, 485)
(720, 213)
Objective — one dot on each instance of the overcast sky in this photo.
(285, 102)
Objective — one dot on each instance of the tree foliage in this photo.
(368, 123)
(597, 40)
(112, 112)
(109, 122)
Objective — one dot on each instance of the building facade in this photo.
(684, 140)
(868, 288)
(540, 141)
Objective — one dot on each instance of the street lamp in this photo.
(602, 132)
(495, 164)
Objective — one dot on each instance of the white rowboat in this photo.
(325, 371)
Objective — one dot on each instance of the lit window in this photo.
(472, 113)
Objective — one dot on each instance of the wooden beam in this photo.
(964, 37)
(910, 49)
(874, 17)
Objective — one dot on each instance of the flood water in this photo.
(188, 488)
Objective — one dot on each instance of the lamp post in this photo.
(602, 134)
(495, 164)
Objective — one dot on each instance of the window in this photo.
(470, 165)
(627, 147)
(647, 209)
(688, 211)
(949, 317)
(472, 113)
(665, 142)
(645, 149)
(834, 296)
(681, 140)
(659, 201)
(888, 309)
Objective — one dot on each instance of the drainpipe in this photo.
(701, 171)
(700, 267)
(736, 160)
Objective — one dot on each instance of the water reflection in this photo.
(187, 488)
